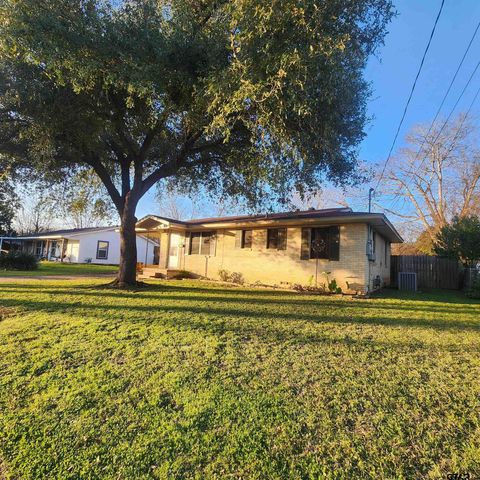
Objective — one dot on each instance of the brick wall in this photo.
(380, 267)
(284, 267)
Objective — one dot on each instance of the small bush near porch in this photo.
(186, 380)
(18, 261)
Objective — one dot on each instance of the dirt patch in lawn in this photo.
(4, 313)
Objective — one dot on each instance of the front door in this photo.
(74, 247)
(156, 255)
(173, 250)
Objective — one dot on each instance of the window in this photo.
(205, 243)
(201, 243)
(277, 238)
(102, 250)
(195, 238)
(247, 238)
(243, 238)
(371, 244)
(321, 242)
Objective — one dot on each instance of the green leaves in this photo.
(246, 95)
(460, 240)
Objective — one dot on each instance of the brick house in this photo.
(278, 249)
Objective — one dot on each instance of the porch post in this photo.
(146, 249)
(1, 243)
(164, 249)
(61, 250)
(48, 250)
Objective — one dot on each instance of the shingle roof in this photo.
(378, 219)
(312, 213)
(69, 231)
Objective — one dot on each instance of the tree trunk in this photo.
(127, 273)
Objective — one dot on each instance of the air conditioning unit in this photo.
(407, 281)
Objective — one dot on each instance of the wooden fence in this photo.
(432, 272)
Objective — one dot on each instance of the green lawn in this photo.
(187, 380)
(57, 268)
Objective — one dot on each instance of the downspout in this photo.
(368, 247)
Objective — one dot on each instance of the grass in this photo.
(58, 268)
(193, 381)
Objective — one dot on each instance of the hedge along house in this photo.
(99, 245)
(279, 249)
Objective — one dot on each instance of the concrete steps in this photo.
(157, 272)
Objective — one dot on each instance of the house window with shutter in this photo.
(277, 239)
(202, 243)
(323, 242)
(243, 238)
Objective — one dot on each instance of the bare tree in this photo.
(324, 198)
(436, 176)
(183, 204)
(35, 212)
(84, 201)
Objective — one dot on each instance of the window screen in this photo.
(277, 238)
(247, 238)
(202, 243)
(102, 250)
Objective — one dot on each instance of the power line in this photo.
(453, 80)
(411, 94)
(467, 113)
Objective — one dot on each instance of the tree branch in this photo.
(102, 172)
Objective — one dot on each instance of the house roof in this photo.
(329, 215)
(71, 232)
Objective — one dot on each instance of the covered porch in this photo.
(168, 241)
(53, 249)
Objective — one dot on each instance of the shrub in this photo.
(224, 275)
(237, 277)
(18, 261)
(320, 290)
(234, 277)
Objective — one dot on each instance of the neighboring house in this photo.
(80, 245)
(279, 249)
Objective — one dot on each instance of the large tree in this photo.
(8, 205)
(232, 96)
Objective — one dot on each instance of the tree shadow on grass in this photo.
(432, 295)
(241, 309)
(249, 325)
(272, 298)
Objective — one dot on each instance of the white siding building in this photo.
(99, 245)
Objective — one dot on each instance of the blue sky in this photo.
(393, 72)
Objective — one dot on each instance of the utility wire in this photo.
(443, 101)
(451, 84)
(467, 113)
(411, 94)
